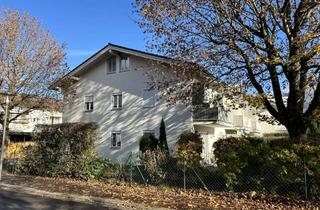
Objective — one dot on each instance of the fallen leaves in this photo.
(161, 196)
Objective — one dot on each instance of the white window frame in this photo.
(126, 64)
(112, 60)
(116, 96)
(145, 104)
(90, 103)
(118, 141)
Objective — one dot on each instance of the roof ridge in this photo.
(122, 47)
(139, 51)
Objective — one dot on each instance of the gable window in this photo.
(112, 65)
(117, 101)
(116, 139)
(88, 103)
(124, 64)
(149, 98)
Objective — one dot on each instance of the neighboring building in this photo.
(21, 129)
(111, 89)
(273, 130)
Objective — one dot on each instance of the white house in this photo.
(21, 128)
(111, 89)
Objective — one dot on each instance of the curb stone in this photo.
(106, 202)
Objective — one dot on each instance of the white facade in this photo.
(26, 123)
(112, 90)
(140, 112)
(22, 127)
(271, 129)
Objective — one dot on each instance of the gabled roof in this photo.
(109, 48)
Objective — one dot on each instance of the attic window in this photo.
(112, 66)
(124, 63)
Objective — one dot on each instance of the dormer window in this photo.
(112, 66)
(124, 63)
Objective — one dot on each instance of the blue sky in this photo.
(84, 25)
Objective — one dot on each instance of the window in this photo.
(112, 66)
(124, 64)
(88, 101)
(55, 120)
(36, 120)
(117, 101)
(149, 98)
(115, 139)
(231, 132)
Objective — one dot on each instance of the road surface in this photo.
(20, 201)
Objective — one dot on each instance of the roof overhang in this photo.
(111, 50)
(107, 52)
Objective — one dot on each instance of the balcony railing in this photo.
(212, 114)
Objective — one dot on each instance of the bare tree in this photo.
(30, 60)
(268, 48)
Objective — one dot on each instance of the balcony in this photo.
(214, 114)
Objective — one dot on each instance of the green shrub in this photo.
(148, 142)
(116, 170)
(89, 166)
(275, 166)
(189, 149)
(153, 162)
(63, 150)
(314, 129)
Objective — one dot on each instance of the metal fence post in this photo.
(305, 180)
(130, 170)
(202, 182)
(143, 179)
(184, 177)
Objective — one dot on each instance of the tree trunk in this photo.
(297, 131)
(6, 139)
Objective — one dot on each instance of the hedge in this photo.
(63, 150)
(276, 166)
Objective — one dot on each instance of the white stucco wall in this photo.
(268, 128)
(27, 122)
(133, 118)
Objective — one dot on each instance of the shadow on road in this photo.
(20, 201)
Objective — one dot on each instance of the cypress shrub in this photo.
(163, 138)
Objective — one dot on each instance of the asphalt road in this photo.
(20, 201)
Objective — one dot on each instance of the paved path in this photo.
(21, 201)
